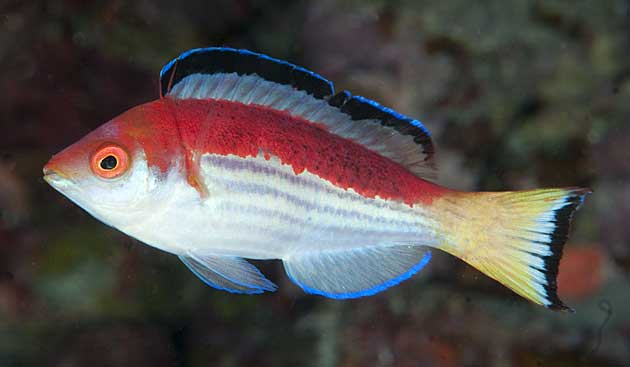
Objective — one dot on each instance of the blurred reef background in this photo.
(518, 94)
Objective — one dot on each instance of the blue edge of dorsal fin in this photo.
(243, 52)
(323, 88)
(342, 98)
(395, 114)
(360, 108)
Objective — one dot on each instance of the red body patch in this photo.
(225, 127)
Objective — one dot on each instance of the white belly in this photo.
(260, 209)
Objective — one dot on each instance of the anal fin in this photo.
(232, 274)
(358, 272)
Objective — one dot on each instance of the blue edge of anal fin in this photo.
(370, 291)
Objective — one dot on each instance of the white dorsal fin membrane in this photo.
(249, 78)
(232, 274)
(357, 272)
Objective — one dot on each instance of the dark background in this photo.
(518, 94)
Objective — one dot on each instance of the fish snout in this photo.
(52, 173)
(48, 171)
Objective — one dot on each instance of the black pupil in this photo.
(109, 162)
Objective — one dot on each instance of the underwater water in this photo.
(517, 95)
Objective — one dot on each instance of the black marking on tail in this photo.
(562, 219)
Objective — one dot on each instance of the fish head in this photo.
(107, 172)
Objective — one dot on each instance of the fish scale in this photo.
(220, 168)
(339, 214)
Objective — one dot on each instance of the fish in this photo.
(247, 157)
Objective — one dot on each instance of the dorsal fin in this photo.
(361, 109)
(250, 78)
(215, 60)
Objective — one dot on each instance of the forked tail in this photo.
(513, 237)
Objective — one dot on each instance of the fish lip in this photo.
(52, 176)
(47, 171)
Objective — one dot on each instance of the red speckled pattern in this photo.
(224, 127)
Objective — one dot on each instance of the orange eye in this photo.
(110, 161)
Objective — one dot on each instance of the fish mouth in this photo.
(54, 177)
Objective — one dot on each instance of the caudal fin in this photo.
(514, 237)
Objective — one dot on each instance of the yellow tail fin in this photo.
(513, 237)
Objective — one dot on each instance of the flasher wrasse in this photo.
(244, 156)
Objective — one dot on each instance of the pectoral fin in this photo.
(232, 274)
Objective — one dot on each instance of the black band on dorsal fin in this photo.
(360, 108)
(339, 99)
(213, 60)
